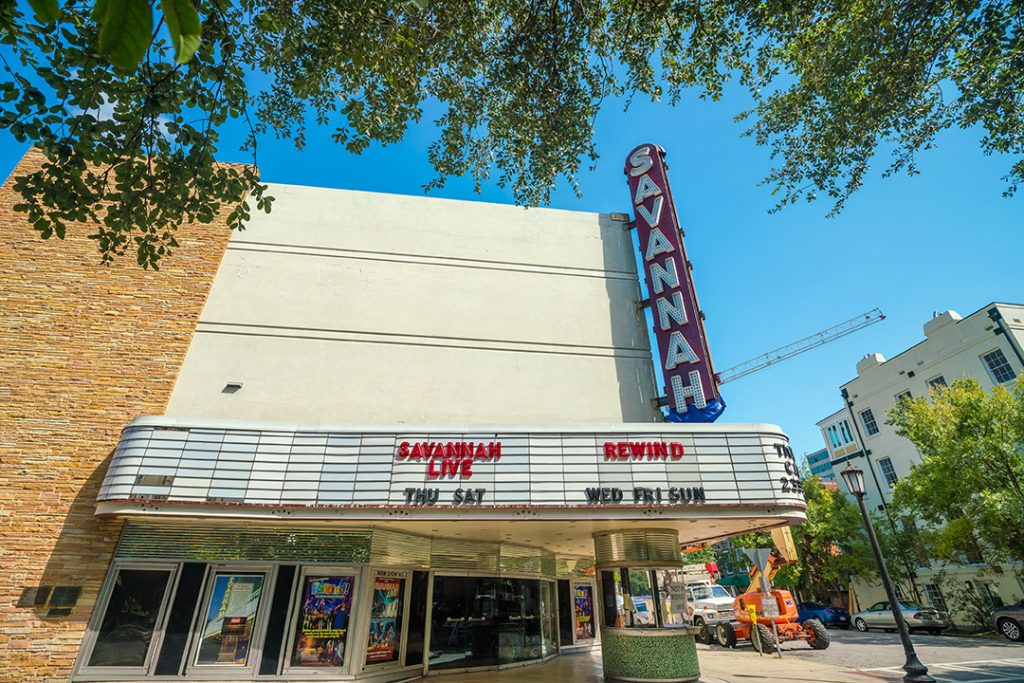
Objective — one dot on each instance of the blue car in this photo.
(830, 616)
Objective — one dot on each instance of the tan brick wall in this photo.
(84, 349)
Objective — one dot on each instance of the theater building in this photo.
(370, 437)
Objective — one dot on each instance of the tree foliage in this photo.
(131, 132)
(969, 486)
(831, 544)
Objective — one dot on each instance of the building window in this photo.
(939, 381)
(998, 367)
(868, 418)
(904, 396)
(934, 596)
(844, 427)
(833, 436)
(644, 598)
(887, 470)
(133, 612)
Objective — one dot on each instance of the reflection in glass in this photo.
(130, 619)
(230, 620)
(463, 622)
(629, 598)
(549, 613)
(519, 630)
(671, 597)
(385, 619)
(322, 627)
(479, 621)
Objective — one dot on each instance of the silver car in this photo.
(1009, 621)
(918, 618)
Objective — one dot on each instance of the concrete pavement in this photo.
(853, 657)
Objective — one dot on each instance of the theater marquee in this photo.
(166, 460)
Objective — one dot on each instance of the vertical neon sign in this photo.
(678, 323)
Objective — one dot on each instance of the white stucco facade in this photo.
(954, 347)
(417, 309)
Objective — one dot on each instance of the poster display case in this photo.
(583, 611)
(229, 625)
(321, 619)
(387, 612)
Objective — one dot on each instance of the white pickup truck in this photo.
(707, 602)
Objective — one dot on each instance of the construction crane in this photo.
(800, 346)
(784, 552)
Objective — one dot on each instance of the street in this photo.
(875, 655)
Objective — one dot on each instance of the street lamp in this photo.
(916, 671)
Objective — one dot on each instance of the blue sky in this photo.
(943, 239)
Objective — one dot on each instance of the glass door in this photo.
(463, 622)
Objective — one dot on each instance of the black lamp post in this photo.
(916, 671)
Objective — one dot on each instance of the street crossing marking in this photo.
(978, 669)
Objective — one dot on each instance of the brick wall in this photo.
(84, 349)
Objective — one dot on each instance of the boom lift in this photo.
(749, 620)
(783, 554)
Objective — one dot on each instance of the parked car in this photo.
(918, 618)
(830, 616)
(1009, 621)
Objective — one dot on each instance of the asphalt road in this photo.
(878, 656)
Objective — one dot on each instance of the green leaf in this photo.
(46, 11)
(127, 31)
(185, 27)
(99, 11)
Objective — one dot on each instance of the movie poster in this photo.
(584, 613)
(385, 624)
(323, 621)
(230, 618)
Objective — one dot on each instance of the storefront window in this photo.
(230, 620)
(643, 598)
(385, 619)
(130, 619)
(464, 622)
(322, 625)
(583, 608)
(519, 625)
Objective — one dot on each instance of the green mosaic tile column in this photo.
(665, 657)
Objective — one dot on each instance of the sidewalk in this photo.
(717, 666)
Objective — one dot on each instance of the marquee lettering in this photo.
(448, 460)
(679, 328)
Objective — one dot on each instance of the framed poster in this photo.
(229, 622)
(385, 619)
(583, 602)
(322, 622)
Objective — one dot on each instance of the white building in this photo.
(404, 436)
(985, 346)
